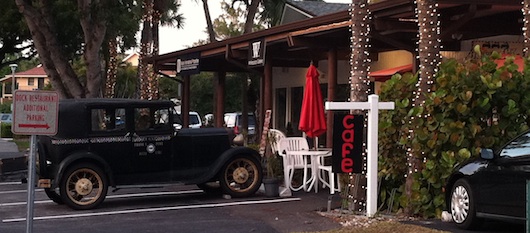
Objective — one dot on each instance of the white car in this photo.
(195, 121)
(6, 118)
(233, 121)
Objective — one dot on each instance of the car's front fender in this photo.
(216, 167)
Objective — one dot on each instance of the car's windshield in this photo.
(251, 120)
(194, 119)
(518, 147)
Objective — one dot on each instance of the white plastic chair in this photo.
(292, 162)
(275, 136)
(330, 182)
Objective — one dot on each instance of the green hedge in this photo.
(474, 105)
(6, 130)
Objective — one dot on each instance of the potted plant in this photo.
(273, 164)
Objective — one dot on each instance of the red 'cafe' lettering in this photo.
(346, 164)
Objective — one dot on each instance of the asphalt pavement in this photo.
(7, 146)
(281, 215)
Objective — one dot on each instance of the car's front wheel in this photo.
(463, 209)
(241, 176)
(83, 186)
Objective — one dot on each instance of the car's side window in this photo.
(151, 119)
(107, 119)
(518, 147)
(142, 119)
(162, 119)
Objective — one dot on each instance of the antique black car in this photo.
(492, 186)
(120, 143)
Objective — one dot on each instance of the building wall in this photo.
(288, 85)
(23, 83)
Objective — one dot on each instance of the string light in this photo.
(148, 79)
(428, 50)
(526, 12)
(112, 69)
(359, 82)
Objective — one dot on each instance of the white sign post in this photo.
(34, 113)
(373, 105)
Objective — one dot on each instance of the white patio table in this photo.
(312, 156)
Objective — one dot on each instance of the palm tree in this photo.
(359, 63)
(112, 68)
(155, 12)
(526, 22)
(429, 55)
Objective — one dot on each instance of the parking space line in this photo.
(213, 205)
(10, 183)
(19, 191)
(115, 196)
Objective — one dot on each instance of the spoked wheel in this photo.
(463, 206)
(83, 186)
(241, 176)
(53, 195)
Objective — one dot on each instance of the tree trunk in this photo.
(252, 10)
(94, 29)
(359, 81)
(209, 24)
(62, 76)
(359, 55)
(429, 59)
(145, 50)
(526, 27)
(153, 77)
(112, 69)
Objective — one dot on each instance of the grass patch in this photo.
(385, 227)
(22, 144)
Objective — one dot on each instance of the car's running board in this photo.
(145, 186)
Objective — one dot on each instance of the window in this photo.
(518, 147)
(108, 119)
(142, 119)
(31, 81)
(150, 119)
(40, 84)
(194, 119)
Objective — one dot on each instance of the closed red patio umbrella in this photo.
(312, 117)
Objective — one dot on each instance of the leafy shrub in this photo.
(6, 130)
(474, 105)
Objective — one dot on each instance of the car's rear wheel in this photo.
(463, 209)
(83, 186)
(241, 176)
(53, 195)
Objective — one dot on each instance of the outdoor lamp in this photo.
(13, 81)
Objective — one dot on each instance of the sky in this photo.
(173, 39)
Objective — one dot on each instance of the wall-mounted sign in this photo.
(347, 143)
(256, 53)
(502, 47)
(188, 64)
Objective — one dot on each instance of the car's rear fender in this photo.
(82, 156)
(213, 172)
